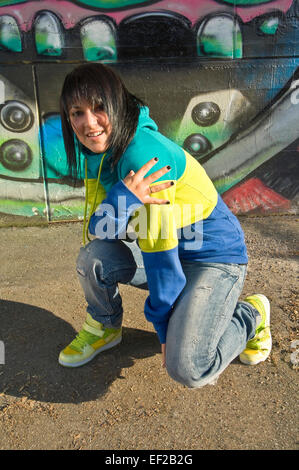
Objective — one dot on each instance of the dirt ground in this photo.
(124, 399)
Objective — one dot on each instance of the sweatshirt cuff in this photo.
(161, 329)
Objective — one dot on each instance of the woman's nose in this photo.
(90, 117)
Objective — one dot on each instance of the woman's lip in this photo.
(98, 134)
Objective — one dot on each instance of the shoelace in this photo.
(263, 334)
(83, 338)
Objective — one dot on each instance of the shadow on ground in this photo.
(33, 338)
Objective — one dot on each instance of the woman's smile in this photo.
(95, 134)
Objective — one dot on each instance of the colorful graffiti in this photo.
(226, 71)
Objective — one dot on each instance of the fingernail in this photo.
(172, 183)
(156, 159)
(168, 202)
(168, 167)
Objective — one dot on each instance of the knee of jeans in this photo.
(83, 262)
(90, 267)
(180, 368)
(105, 263)
(181, 375)
(188, 374)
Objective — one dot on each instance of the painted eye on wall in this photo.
(205, 113)
(197, 145)
(16, 116)
(15, 155)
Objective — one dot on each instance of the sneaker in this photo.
(90, 341)
(258, 348)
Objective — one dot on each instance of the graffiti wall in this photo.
(226, 71)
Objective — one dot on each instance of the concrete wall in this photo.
(221, 79)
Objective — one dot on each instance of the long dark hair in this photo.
(98, 84)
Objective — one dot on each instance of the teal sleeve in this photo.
(147, 146)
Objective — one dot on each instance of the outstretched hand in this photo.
(138, 184)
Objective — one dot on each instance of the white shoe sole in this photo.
(90, 358)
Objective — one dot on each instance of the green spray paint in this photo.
(10, 38)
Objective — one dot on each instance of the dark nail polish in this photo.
(168, 202)
(156, 159)
(168, 167)
(172, 183)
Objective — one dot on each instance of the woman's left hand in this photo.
(140, 186)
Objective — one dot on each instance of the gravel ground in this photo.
(124, 399)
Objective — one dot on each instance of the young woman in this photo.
(189, 253)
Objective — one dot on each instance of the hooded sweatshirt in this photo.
(195, 226)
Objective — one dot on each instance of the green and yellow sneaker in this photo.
(258, 348)
(90, 341)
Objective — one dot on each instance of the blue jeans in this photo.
(208, 327)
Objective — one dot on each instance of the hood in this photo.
(145, 121)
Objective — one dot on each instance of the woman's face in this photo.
(91, 126)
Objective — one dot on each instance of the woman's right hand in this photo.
(138, 184)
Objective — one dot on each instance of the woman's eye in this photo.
(75, 114)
